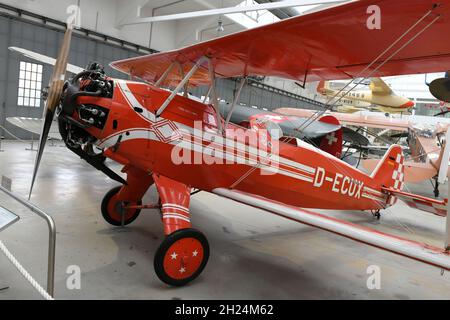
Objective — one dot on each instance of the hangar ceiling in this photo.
(201, 29)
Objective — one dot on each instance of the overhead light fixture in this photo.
(220, 27)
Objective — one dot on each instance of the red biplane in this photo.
(165, 138)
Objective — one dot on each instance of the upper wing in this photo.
(45, 59)
(325, 45)
(379, 87)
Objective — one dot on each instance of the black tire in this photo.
(108, 216)
(167, 244)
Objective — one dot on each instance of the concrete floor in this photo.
(254, 255)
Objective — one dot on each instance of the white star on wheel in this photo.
(174, 255)
(182, 270)
(195, 253)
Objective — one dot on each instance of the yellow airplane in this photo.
(380, 97)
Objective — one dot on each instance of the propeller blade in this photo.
(443, 113)
(54, 96)
(440, 89)
(399, 135)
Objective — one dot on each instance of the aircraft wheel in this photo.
(181, 257)
(111, 209)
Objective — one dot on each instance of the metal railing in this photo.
(51, 236)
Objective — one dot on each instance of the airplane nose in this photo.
(407, 105)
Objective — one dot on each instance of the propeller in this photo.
(440, 88)
(442, 113)
(54, 96)
(399, 135)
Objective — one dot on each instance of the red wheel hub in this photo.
(113, 209)
(183, 258)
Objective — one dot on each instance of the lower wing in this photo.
(412, 249)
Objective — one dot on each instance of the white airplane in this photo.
(380, 97)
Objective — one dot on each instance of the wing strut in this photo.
(181, 85)
(215, 103)
(207, 94)
(235, 101)
(447, 229)
(443, 171)
(164, 75)
(185, 82)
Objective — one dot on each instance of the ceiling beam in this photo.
(222, 11)
(283, 13)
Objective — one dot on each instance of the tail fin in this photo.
(332, 142)
(379, 87)
(390, 170)
(390, 173)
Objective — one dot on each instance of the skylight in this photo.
(254, 18)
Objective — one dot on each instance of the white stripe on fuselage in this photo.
(129, 134)
(134, 103)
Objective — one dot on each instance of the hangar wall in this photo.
(258, 95)
(45, 40)
(102, 16)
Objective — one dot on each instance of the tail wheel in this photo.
(181, 257)
(112, 209)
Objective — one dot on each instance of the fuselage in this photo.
(364, 99)
(184, 144)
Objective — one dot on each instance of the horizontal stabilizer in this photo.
(434, 206)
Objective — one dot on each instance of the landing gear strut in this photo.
(376, 214)
(122, 205)
(436, 188)
(114, 210)
(184, 252)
